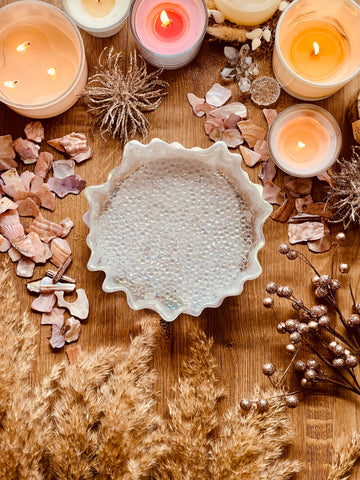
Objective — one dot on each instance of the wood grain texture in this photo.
(243, 331)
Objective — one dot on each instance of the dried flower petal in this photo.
(35, 131)
(28, 151)
(217, 95)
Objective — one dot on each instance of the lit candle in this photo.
(316, 47)
(42, 60)
(169, 33)
(100, 18)
(304, 140)
(247, 12)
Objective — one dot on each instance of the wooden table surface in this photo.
(244, 332)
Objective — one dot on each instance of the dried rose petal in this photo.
(270, 115)
(218, 95)
(283, 213)
(273, 194)
(79, 308)
(27, 207)
(232, 137)
(250, 157)
(301, 201)
(57, 340)
(55, 317)
(44, 303)
(46, 229)
(34, 131)
(304, 232)
(28, 151)
(63, 186)
(7, 153)
(43, 164)
(268, 171)
(298, 186)
(63, 168)
(261, 147)
(194, 100)
(25, 268)
(251, 132)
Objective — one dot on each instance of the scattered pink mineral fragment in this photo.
(74, 144)
(270, 115)
(194, 100)
(46, 229)
(268, 171)
(28, 151)
(261, 146)
(232, 137)
(72, 330)
(61, 251)
(79, 308)
(27, 207)
(273, 193)
(63, 186)
(298, 186)
(26, 178)
(10, 226)
(63, 168)
(44, 303)
(251, 132)
(56, 316)
(57, 340)
(7, 153)
(4, 244)
(25, 268)
(218, 95)
(35, 131)
(73, 353)
(235, 108)
(250, 157)
(43, 164)
(306, 231)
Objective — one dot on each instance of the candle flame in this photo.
(165, 20)
(51, 71)
(316, 50)
(301, 145)
(10, 83)
(23, 46)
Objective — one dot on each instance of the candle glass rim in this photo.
(82, 61)
(285, 65)
(174, 55)
(332, 120)
(111, 26)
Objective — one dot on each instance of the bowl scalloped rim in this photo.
(133, 157)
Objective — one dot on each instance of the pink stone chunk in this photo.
(67, 225)
(251, 132)
(46, 197)
(268, 171)
(57, 340)
(7, 153)
(44, 303)
(82, 156)
(320, 246)
(216, 134)
(61, 251)
(232, 120)
(298, 186)
(4, 244)
(218, 95)
(55, 317)
(270, 115)
(63, 168)
(6, 204)
(43, 164)
(27, 207)
(10, 226)
(11, 177)
(250, 157)
(194, 100)
(273, 194)
(203, 108)
(73, 328)
(306, 231)
(63, 186)
(14, 255)
(36, 183)
(30, 246)
(325, 177)
(301, 201)
(232, 137)
(39, 247)
(235, 108)
(28, 151)
(261, 146)
(74, 144)
(26, 178)
(25, 268)
(73, 354)
(79, 308)
(46, 229)
(34, 131)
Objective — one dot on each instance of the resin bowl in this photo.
(176, 229)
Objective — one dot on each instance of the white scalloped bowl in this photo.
(176, 229)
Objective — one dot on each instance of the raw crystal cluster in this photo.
(240, 67)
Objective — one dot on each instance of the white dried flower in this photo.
(255, 44)
(257, 33)
(267, 34)
(283, 5)
(217, 16)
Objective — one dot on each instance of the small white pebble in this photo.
(283, 5)
(257, 33)
(267, 34)
(217, 16)
(255, 44)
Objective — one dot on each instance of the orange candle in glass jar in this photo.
(304, 140)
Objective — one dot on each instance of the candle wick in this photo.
(301, 145)
(316, 50)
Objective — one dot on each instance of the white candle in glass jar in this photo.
(43, 68)
(100, 18)
(317, 47)
(247, 12)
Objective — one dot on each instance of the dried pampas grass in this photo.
(346, 456)
(97, 419)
